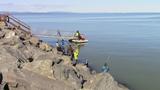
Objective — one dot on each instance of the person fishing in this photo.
(105, 68)
(59, 33)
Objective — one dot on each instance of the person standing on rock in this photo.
(63, 46)
(76, 54)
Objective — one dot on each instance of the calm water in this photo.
(132, 41)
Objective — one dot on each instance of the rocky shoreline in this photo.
(27, 63)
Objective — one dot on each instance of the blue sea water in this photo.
(131, 40)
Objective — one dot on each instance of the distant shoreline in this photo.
(80, 12)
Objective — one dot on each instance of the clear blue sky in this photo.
(80, 5)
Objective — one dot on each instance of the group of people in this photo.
(67, 49)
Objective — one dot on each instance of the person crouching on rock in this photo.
(58, 46)
(105, 68)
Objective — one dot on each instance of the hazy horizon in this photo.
(79, 6)
(75, 12)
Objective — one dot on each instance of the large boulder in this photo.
(10, 34)
(38, 54)
(103, 81)
(25, 79)
(83, 70)
(68, 75)
(45, 47)
(14, 41)
(7, 60)
(2, 34)
(2, 24)
(34, 41)
(42, 67)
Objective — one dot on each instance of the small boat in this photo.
(82, 40)
(78, 41)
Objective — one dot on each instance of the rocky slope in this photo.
(28, 63)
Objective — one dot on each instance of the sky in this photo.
(80, 5)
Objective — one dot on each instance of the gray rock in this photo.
(103, 81)
(2, 34)
(67, 74)
(30, 64)
(34, 41)
(14, 41)
(45, 46)
(84, 70)
(28, 80)
(10, 34)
